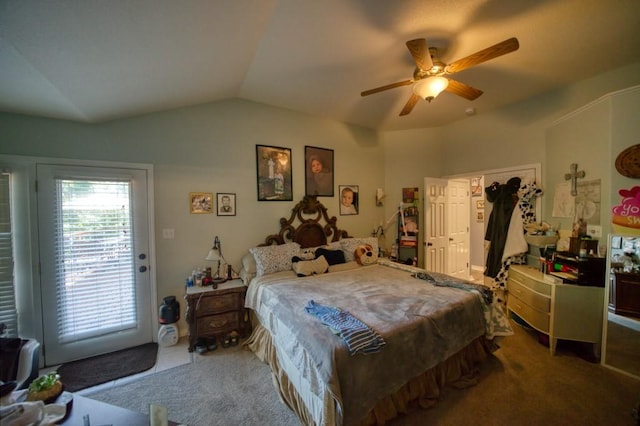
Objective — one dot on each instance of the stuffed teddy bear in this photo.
(365, 255)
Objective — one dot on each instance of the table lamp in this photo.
(215, 255)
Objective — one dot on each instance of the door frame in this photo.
(27, 272)
(538, 208)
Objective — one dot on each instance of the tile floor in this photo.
(168, 357)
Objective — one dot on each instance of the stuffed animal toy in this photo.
(365, 255)
(304, 268)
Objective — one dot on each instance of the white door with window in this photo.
(94, 260)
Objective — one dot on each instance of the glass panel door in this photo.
(94, 260)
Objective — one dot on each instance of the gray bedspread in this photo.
(423, 324)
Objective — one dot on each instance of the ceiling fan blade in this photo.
(410, 104)
(420, 52)
(387, 87)
(484, 55)
(463, 90)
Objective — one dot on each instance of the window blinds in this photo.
(94, 257)
(8, 314)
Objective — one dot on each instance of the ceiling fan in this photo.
(430, 71)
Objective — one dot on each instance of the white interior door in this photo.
(94, 258)
(435, 236)
(458, 228)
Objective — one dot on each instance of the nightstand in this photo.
(217, 312)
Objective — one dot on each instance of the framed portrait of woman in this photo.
(318, 171)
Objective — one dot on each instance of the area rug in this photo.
(224, 387)
(104, 368)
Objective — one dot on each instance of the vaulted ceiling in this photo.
(94, 61)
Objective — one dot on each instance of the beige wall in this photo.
(211, 148)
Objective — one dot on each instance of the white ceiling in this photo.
(94, 60)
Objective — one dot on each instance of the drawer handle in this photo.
(518, 306)
(517, 290)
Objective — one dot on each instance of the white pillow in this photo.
(270, 259)
(349, 246)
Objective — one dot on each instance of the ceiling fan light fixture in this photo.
(429, 88)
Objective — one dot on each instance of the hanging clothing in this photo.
(503, 197)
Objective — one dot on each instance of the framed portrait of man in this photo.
(318, 171)
(226, 203)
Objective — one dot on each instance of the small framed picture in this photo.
(226, 203)
(318, 171)
(273, 169)
(201, 202)
(348, 199)
(480, 216)
(480, 204)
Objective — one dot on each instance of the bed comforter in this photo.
(423, 322)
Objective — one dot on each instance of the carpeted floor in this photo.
(100, 369)
(522, 384)
(225, 387)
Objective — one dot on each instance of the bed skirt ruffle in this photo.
(460, 370)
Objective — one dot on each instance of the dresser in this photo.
(562, 311)
(216, 312)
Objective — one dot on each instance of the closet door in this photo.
(94, 257)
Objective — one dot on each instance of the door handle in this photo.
(450, 239)
(142, 269)
(429, 244)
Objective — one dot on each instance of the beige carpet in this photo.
(522, 384)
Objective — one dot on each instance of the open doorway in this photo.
(480, 209)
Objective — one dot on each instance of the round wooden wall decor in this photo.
(628, 162)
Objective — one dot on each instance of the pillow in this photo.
(249, 263)
(270, 259)
(333, 257)
(349, 246)
(304, 268)
(365, 255)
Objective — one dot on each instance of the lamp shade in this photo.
(214, 254)
(430, 87)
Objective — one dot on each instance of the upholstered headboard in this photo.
(315, 227)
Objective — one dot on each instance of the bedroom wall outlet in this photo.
(594, 231)
(168, 234)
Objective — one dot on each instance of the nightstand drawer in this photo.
(535, 300)
(219, 303)
(537, 319)
(221, 323)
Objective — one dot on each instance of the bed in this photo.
(430, 329)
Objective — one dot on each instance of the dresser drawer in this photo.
(535, 300)
(219, 303)
(536, 285)
(537, 319)
(220, 323)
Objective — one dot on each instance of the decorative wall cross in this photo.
(573, 176)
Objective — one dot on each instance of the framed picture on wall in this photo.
(318, 171)
(201, 202)
(273, 170)
(226, 203)
(348, 199)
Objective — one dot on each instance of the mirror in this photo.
(621, 333)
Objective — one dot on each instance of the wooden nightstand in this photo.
(216, 312)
